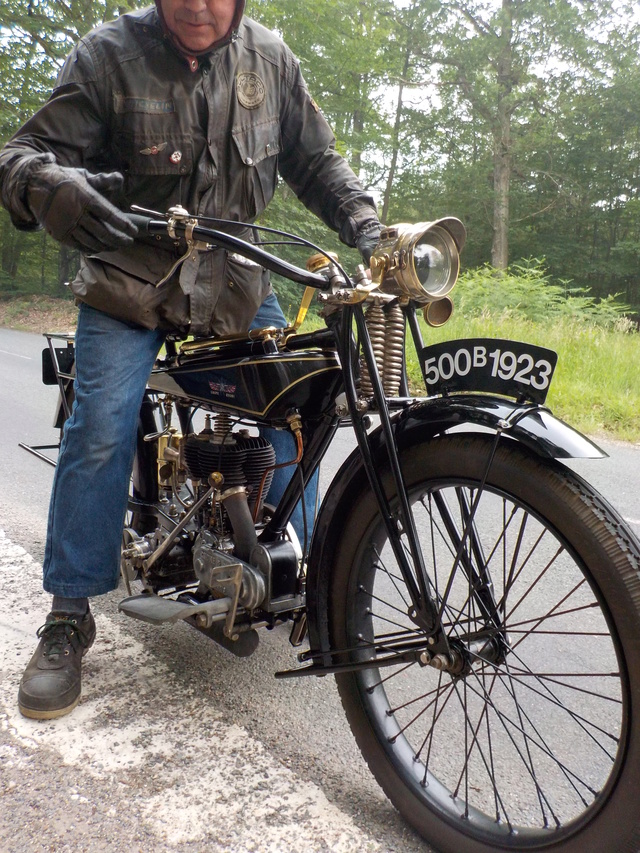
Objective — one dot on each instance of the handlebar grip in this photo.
(141, 222)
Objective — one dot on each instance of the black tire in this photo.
(536, 747)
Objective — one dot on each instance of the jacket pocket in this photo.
(157, 168)
(155, 154)
(245, 285)
(258, 147)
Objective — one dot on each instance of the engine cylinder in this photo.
(241, 459)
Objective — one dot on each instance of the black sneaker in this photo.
(50, 686)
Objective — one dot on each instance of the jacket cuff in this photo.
(358, 223)
(14, 196)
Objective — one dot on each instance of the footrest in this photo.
(156, 610)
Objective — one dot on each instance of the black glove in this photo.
(69, 204)
(367, 239)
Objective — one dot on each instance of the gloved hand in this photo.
(70, 205)
(367, 239)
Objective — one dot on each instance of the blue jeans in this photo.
(91, 481)
(270, 314)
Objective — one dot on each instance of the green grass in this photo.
(596, 385)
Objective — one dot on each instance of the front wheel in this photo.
(524, 738)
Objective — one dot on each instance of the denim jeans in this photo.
(91, 481)
(270, 314)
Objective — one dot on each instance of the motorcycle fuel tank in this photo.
(260, 385)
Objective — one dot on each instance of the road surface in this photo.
(177, 745)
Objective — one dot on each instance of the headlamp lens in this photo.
(433, 260)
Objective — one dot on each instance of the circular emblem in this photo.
(250, 90)
(176, 157)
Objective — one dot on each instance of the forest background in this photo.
(521, 118)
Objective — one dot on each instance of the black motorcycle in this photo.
(477, 601)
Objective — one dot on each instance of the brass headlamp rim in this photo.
(393, 260)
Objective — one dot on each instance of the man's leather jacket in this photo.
(210, 134)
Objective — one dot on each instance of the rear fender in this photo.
(532, 425)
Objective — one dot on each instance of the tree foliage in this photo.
(522, 118)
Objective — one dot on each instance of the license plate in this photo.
(510, 368)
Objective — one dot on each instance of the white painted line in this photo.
(17, 355)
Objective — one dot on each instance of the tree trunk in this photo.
(394, 154)
(501, 186)
(11, 251)
(358, 127)
(502, 142)
(404, 76)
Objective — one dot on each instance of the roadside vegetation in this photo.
(596, 387)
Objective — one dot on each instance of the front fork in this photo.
(425, 612)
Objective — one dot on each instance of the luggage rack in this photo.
(58, 368)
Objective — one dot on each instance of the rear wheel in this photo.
(522, 740)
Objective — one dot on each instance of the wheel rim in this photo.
(523, 745)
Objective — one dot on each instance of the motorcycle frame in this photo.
(425, 610)
(517, 419)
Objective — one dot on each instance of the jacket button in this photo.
(249, 161)
(183, 170)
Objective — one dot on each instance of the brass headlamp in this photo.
(419, 262)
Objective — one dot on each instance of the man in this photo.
(186, 103)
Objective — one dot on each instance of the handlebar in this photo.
(180, 228)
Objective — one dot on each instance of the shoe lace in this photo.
(60, 633)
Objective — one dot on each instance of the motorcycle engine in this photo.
(242, 459)
(246, 463)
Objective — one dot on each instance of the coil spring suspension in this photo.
(393, 350)
(386, 331)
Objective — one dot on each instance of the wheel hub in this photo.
(459, 661)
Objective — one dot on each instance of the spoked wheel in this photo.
(522, 739)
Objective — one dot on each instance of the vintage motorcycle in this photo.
(477, 601)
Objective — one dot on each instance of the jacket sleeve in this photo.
(309, 163)
(68, 130)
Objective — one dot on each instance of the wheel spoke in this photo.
(519, 729)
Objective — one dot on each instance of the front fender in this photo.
(531, 424)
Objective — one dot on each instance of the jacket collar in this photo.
(194, 60)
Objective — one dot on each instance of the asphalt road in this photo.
(177, 744)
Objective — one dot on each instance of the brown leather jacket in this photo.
(211, 134)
